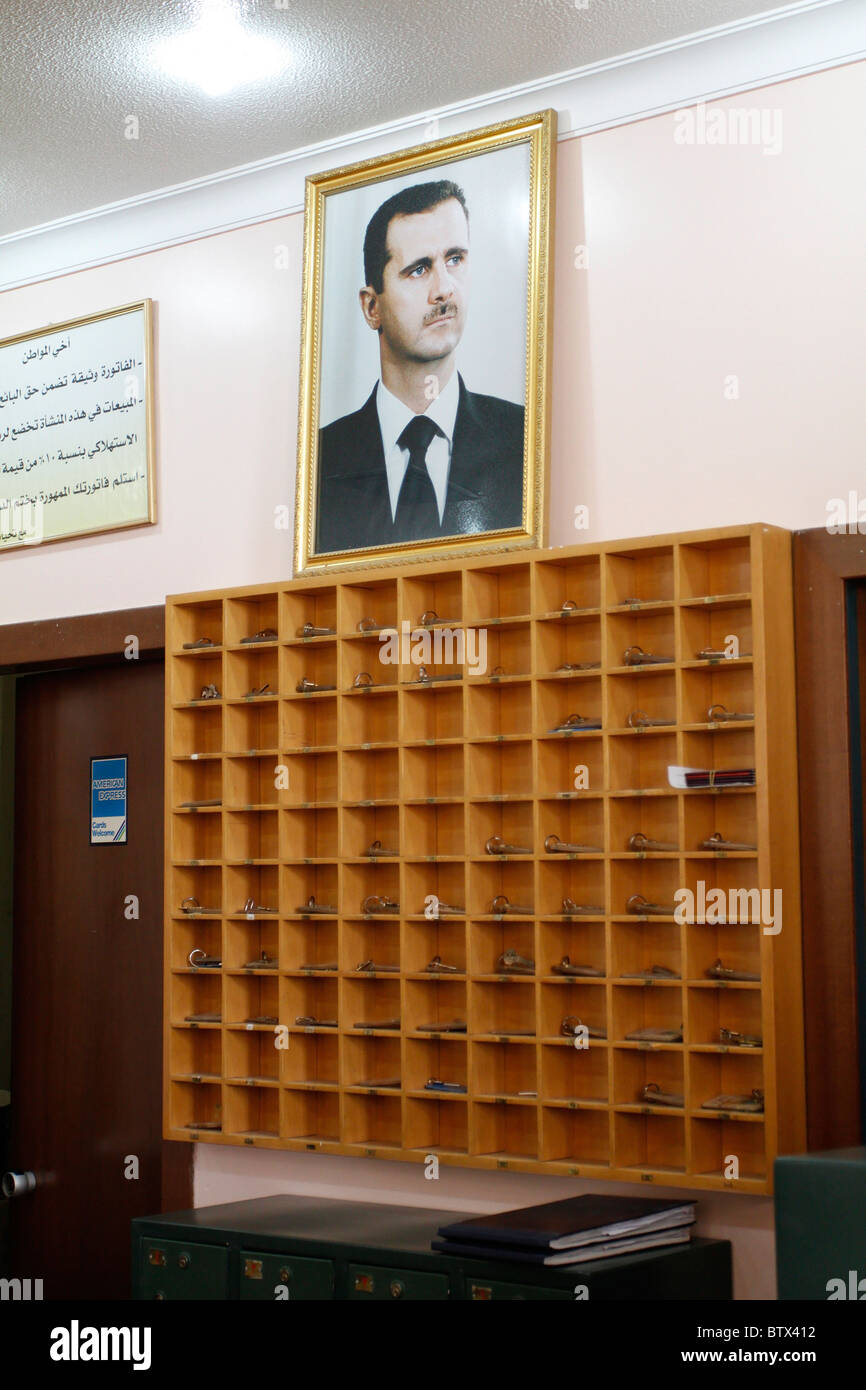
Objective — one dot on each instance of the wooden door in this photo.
(86, 1031)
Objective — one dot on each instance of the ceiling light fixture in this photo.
(219, 54)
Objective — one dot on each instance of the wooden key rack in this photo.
(285, 788)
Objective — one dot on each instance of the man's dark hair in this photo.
(421, 197)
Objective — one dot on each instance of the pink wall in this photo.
(704, 262)
(707, 262)
(227, 345)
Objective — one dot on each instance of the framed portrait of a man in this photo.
(423, 398)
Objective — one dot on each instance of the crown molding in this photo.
(773, 47)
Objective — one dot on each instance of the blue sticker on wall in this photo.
(108, 801)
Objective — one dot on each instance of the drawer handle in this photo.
(397, 1288)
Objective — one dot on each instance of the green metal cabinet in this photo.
(303, 1248)
(821, 1225)
(270, 1277)
(380, 1282)
(173, 1269)
(483, 1290)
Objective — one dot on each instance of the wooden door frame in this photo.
(90, 640)
(823, 566)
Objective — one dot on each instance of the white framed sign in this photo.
(76, 428)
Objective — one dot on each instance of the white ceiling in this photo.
(72, 71)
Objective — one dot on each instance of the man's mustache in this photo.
(444, 311)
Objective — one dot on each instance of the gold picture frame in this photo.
(342, 514)
(77, 436)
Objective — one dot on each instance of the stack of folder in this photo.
(687, 778)
(573, 1231)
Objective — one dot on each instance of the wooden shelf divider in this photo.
(327, 816)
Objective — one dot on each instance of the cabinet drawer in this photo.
(480, 1290)
(375, 1281)
(171, 1269)
(262, 1273)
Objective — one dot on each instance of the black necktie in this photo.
(417, 515)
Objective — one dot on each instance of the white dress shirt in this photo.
(394, 416)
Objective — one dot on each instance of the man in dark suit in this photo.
(424, 457)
